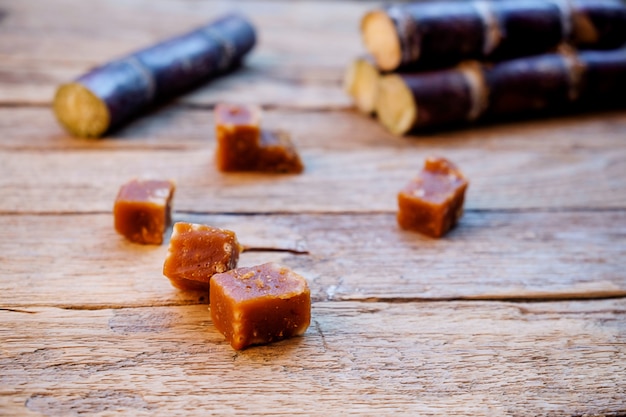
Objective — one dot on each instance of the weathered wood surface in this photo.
(351, 164)
(350, 257)
(402, 324)
(453, 358)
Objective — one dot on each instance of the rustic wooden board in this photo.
(365, 180)
(75, 36)
(453, 358)
(79, 261)
(179, 127)
(402, 324)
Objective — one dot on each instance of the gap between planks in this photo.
(193, 106)
(365, 301)
(538, 210)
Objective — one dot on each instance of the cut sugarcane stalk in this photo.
(361, 83)
(554, 82)
(407, 101)
(110, 95)
(438, 34)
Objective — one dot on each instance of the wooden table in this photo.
(521, 310)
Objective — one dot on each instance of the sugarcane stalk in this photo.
(439, 34)
(560, 81)
(109, 96)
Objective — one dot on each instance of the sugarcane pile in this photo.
(445, 63)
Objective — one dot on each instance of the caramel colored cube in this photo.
(142, 210)
(432, 202)
(197, 252)
(243, 146)
(259, 305)
(278, 154)
(238, 134)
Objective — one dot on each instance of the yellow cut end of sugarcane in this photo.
(80, 111)
(361, 83)
(395, 105)
(381, 39)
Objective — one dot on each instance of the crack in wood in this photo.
(19, 104)
(15, 310)
(94, 401)
(90, 146)
(275, 249)
(96, 307)
(340, 300)
(269, 107)
(318, 328)
(324, 213)
(509, 299)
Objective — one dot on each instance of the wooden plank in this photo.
(179, 127)
(73, 35)
(402, 324)
(80, 262)
(351, 164)
(456, 358)
(26, 82)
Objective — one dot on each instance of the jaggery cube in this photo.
(260, 304)
(197, 252)
(142, 210)
(241, 144)
(432, 202)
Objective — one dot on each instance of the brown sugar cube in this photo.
(278, 154)
(259, 305)
(238, 135)
(197, 252)
(432, 202)
(243, 146)
(142, 210)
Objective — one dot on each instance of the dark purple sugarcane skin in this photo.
(603, 83)
(123, 88)
(527, 85)
(527, 27)
(608, 17)
(133, 83)
(446, 32)
(442, 97)
(453, 31)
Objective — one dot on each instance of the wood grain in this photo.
(80, 262)
(361, 179)
(181, 127)
(454, 358)
(73, 35)
(520, 311)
